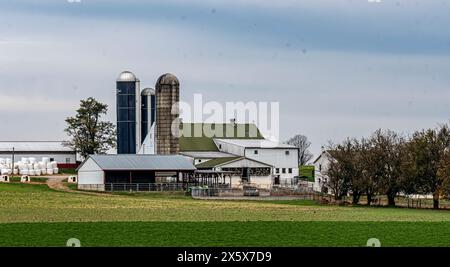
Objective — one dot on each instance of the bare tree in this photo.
(426, 166)
(387, 147)
(302, 143)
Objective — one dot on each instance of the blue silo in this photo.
(128, 113)
(148, 111)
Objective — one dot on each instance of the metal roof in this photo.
(127, 76)
(206, 154)
(216, 162)
(34, 146)
(255, 143)
(168, 79)
(144, 162)
(193, 137)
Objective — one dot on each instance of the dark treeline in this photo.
(387, 163)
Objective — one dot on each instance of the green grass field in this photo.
(16, 179)
(34, 215)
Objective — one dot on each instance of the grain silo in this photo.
(128, 113)
(148, 111)
(167, 99)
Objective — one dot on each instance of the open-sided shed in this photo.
(98, 170)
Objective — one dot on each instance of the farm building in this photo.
(239, 150)
(54, 150)
(242, 170)
(321, 165)
(245, 153)
(100, 172)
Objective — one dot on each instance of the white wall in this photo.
(320, 168)
(198, 161)
(278, 159)
(90, 173)
(275, 157)
(260, 181)
(229, 148)
(60, 158)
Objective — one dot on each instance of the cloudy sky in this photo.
(337, 67)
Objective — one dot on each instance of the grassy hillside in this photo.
(29, 213)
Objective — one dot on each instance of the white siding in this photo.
(261, 181)
(245, 163)
(229, 148)
(320, 168)
(90, 173)
(275, 157)
(198, 161)
(278, 159)
(60, 158)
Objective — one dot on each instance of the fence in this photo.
(138, 187)
(228, 192)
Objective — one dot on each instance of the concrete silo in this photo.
(148, 111)
(167, 99)
(128, 103)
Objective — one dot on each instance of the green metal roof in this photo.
(214, 162)
(194, 138)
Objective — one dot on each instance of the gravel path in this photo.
(56, 182)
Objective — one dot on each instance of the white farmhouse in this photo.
(321, 165)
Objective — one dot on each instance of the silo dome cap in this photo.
(148, 91)
(127, 76)
(168, 79)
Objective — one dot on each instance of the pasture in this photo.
(34, 215)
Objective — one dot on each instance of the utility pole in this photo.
(12, 162)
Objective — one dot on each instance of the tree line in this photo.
(387, 163)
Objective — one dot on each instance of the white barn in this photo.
(283, 158)
(54, 150)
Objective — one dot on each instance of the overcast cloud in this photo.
(338, 68)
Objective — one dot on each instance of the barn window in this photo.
(277, 170)
(256, 152)
(290, 170)
(283, 170)
(287, 153)
(67, 160)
